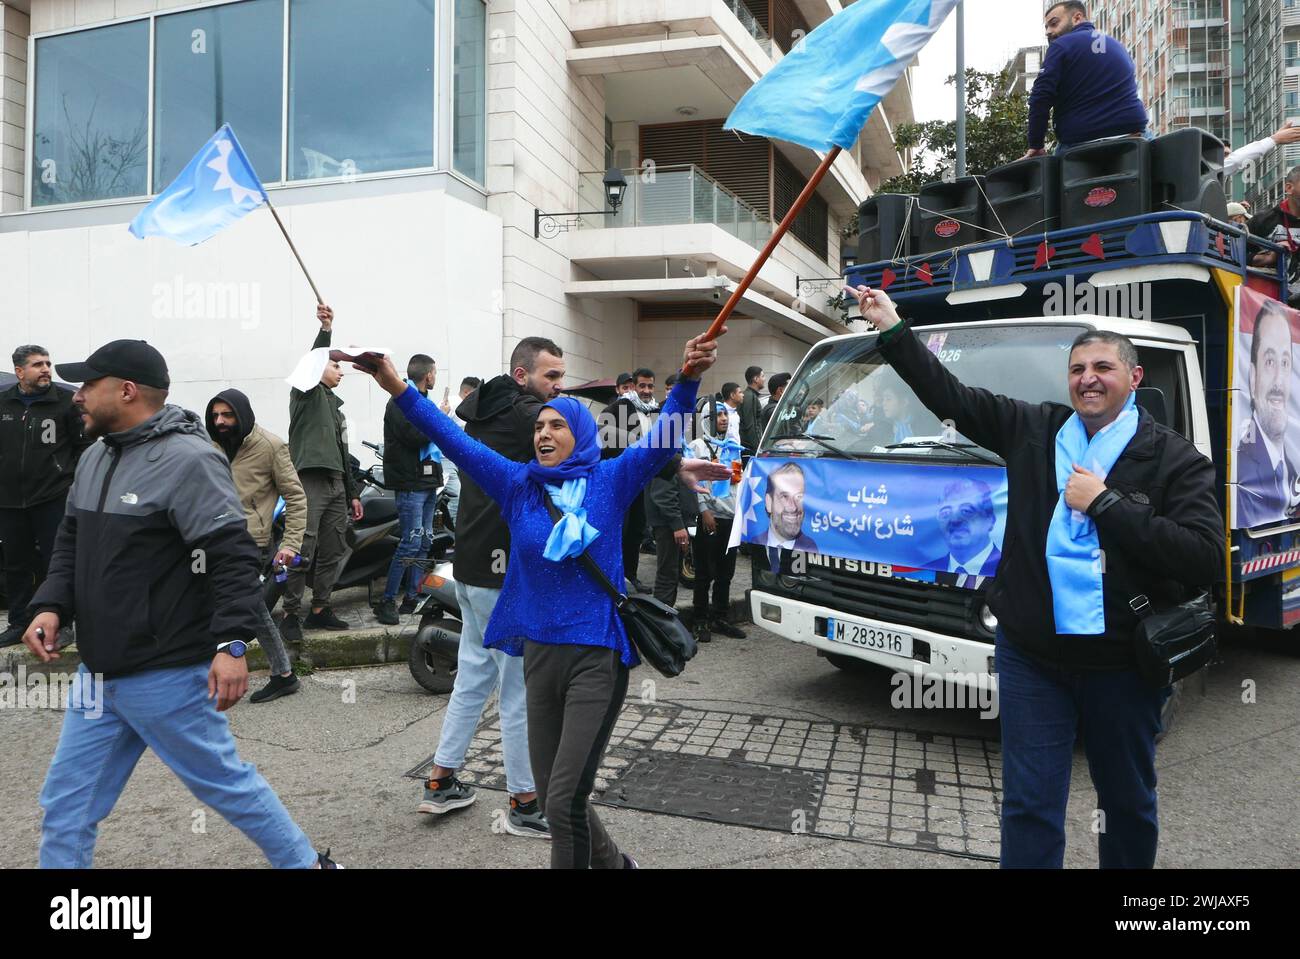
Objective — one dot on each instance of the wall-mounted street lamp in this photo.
(553, 224)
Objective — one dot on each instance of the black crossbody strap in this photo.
(617, 595)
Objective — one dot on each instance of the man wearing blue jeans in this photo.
(501, 413)
(413, 470)
(1105, 505)
(154, 560)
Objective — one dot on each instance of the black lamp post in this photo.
(552, 224)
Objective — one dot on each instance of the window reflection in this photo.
(213, 66)
(90, 130)
(469, 94)
(360, 87)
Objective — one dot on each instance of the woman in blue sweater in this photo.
(576, 652)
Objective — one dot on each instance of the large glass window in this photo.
(90, 136)
(360, 87)
(218, 65)
(469, 90)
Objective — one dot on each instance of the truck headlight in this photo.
(987, 619)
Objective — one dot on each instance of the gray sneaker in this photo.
(444, 795)
(526, 819)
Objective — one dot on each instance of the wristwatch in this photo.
(235, 648)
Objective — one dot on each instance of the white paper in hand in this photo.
(309, 369)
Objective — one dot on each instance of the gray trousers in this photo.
(668, 558)
(324, 542)
(574, 695)
(268, 634)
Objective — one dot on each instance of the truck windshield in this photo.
(847, 401)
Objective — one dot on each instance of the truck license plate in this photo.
(864, 636)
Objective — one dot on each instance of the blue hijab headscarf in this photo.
(566, 483)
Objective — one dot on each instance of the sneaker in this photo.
(408, 605)
(526, 819)
(719, 625)
(386, 613)
(700, 630)
(325, 619)
(629, 862)
(291, 628)
(12, 636)
(324, 861)
(444, 795)
(277, 687)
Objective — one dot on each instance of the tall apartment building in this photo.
(1023, 68)
(1271, 89)
(1183, 52)
(430, 159)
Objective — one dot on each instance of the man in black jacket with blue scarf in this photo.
(1105, 505)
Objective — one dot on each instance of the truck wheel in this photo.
(1169, 712)
(429, 660)
(850, 664)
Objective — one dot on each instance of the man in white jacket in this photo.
(1237, 159)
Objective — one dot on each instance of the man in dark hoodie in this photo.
(262, 471)
(154, 560)
(501, 414)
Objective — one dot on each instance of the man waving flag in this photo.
(214, 190)
(822, 93)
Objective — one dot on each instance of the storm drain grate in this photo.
(866, 783)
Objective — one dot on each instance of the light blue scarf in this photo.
(572, 533)
(430, 450)
(1073, 549)
(728, 451)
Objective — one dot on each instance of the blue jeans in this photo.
(415, 520)
(1042, 708)
(168, 711)
(1062, 147)
(479, 671)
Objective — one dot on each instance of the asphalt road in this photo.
(336, 754)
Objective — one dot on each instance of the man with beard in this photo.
(966, 519)
(40, 443)
(784, 502)
(1265, 475)
(1087, 83)
(263, 471)
(154, 561)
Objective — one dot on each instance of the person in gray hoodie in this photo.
(154, 561)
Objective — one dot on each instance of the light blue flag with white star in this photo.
(214, 190)
(821, 94)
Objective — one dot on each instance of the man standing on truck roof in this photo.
(1131, 512)
(1088, 83)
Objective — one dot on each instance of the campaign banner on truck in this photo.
(1265, 412)
(938, 522)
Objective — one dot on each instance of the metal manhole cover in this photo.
(871, 784)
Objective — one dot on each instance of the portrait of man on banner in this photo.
(1266, 421)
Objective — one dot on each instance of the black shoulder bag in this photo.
(1173, 643)
(660, 636)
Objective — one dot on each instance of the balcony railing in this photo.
(677, 194)
(750, 23)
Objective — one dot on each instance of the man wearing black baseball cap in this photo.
(154, 561)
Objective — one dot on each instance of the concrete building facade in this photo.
(438, 164)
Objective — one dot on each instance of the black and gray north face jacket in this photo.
(153, 559)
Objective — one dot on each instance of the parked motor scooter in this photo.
(436, 647)
(369, 543)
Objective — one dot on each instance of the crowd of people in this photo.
(156, 539)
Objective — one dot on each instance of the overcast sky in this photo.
(995, 29)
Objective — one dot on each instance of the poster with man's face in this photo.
(1265, 412)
